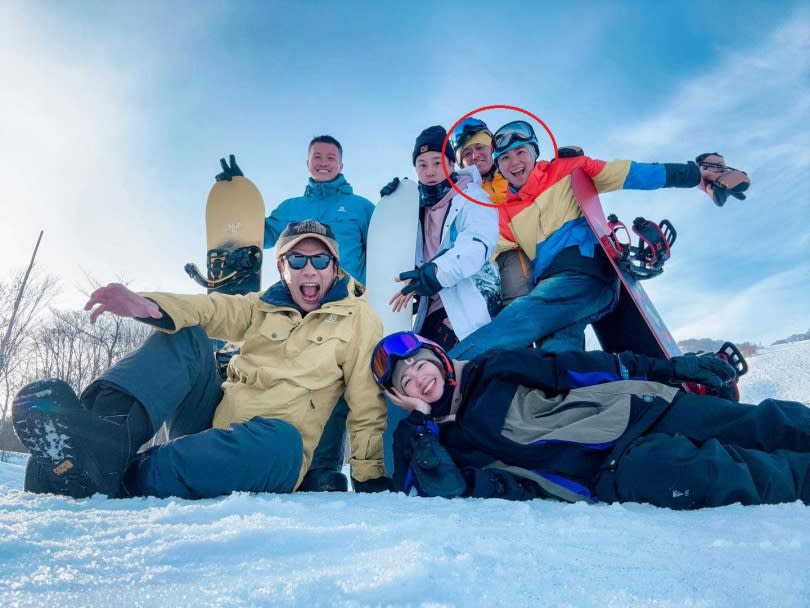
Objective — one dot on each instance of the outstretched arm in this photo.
(121, 301)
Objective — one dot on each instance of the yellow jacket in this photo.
(295, 367)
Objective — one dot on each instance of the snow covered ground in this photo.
(391, 550)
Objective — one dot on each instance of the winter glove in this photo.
(378, 484)
(719, 181)
(422, 465)
(390, 187)
(492, 483)
(423, 280)
(708, 369)
(229, 172)
(434, 470)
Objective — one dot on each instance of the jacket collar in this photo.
(278, 295)
(339, 185)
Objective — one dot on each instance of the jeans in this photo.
(554, 314)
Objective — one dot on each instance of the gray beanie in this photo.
(403, 364)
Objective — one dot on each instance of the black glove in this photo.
(423, 280)
(434, 470)
(378, 484)
(492, 483)
(421, 462)
(390, 187)
(708, 369)
(229, 172)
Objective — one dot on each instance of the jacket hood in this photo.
(339, 185)
(278, 294)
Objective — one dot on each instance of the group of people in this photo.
(471, 410)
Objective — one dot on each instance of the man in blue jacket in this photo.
(329, 199)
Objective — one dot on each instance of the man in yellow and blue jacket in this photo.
(572, 282)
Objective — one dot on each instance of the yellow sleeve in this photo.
(367, 407)
(223, 317)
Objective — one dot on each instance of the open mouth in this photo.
(429, 386)
(310, 291)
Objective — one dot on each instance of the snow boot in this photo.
(75, 451)
(323, 480)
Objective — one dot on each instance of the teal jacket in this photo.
(332, 203)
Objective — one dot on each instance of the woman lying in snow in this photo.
(586, 426)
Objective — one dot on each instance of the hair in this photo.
(326, 139)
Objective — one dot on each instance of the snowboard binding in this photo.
(729, 353)
(646, 259)
(230, 270)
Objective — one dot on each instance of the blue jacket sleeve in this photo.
(651, 176)
(274, 225)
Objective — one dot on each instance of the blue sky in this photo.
(113, 118)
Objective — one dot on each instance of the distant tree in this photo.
(794, 338)
(60, 344)
(18, 343)
(711, 345)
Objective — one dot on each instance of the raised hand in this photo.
(400, 300)
(228, 171)
(720, 181)
(120, 301)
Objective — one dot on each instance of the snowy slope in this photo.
(391, 550)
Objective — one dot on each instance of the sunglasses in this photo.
(465, 130)
(319, 261)
(400, 345)
(511, 132)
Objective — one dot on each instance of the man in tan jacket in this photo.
(305, 341)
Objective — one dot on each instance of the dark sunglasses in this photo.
(298, 260)
(465, 130)
(517, 131)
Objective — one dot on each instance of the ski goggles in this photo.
(465, 130)
(390, 349)
(319, 261)
(513, 135)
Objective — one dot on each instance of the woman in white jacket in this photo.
(458, 289)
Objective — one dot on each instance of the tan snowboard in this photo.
(234, 227)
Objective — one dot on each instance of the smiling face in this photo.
(324, 161)
(308, 285)
(477, 154)
(423, 380)
(429, 168)
(516, 165)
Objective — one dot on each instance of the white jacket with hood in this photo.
(469, 236)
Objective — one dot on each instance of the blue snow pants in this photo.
(707, 451)
(174, 377)
(554, 314)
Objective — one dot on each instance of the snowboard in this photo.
(634, 324)
(234, 229)
(390, 249)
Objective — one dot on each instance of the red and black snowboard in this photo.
(634, 324)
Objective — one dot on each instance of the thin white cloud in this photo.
(753, 107)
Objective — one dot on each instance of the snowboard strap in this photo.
(228, 267)
(645, 260)
(730, 354)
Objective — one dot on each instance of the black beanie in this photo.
(431, 140)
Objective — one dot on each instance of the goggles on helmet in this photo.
(400, 345)
(464, 131)
(513, 135)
